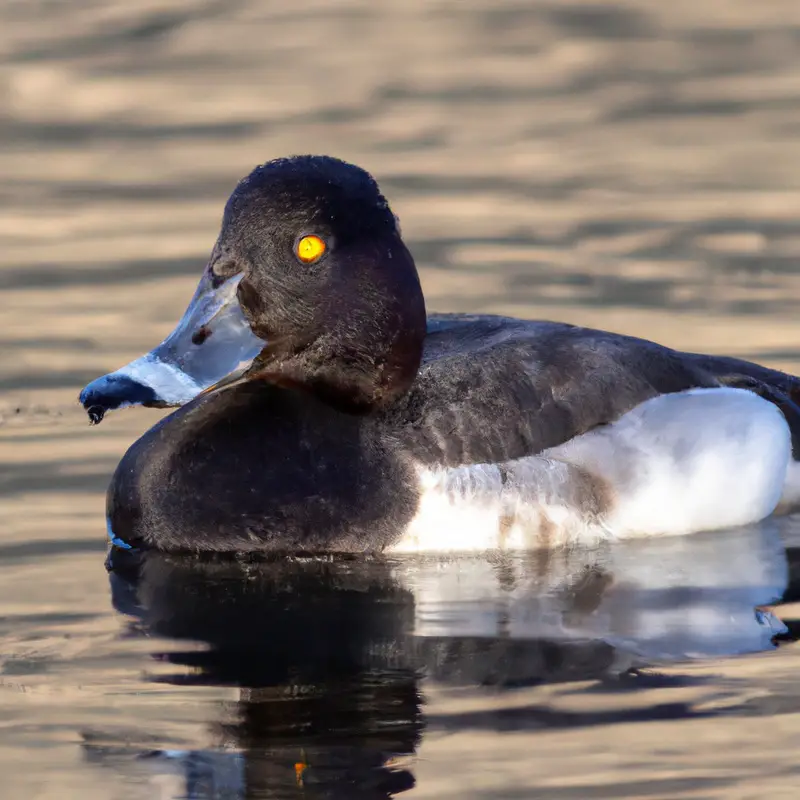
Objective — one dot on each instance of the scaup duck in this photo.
(322, 410)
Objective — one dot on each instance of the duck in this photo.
(319, 408)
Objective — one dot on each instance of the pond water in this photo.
(626, 165)
(341, 678)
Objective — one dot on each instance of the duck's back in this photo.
(492, 389)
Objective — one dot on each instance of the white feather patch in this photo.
(697, 460)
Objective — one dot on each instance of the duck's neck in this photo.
(350, 382)
(364, 349)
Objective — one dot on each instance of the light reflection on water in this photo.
(629, 165)
(324, 665)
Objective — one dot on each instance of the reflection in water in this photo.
(623, 164)
(328, 655)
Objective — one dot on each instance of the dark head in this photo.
(329, 299)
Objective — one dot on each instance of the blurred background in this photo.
(634, 165)
(626, 164)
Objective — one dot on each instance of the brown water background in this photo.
(629, 165)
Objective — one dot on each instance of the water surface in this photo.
(630, 165)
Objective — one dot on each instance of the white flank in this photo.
(697, 460)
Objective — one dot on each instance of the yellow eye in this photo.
(310, 249)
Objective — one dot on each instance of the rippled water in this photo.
(216, 678)
(630, 165)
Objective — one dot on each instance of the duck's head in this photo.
(309, 286)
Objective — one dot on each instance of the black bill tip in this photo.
(114, 391)
(96, 414)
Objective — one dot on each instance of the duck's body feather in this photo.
(257, 467)
(492, 389)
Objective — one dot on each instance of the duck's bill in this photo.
(211, 341)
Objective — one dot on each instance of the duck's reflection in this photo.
(329, 654)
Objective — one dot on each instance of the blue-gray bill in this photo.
(211, 341)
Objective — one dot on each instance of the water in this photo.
(633, 166)
(209, 678)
